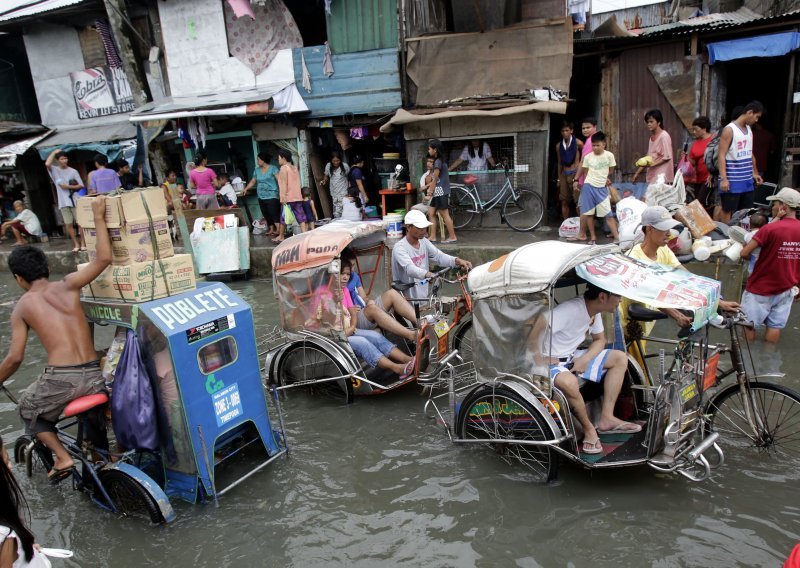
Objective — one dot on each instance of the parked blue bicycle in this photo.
(523, 209)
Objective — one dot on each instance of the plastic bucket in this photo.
(394, 226)
(371, 211)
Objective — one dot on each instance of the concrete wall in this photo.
(196, 49)
(531, 130)
(53, 53)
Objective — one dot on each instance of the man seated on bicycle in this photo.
(571, 320)
(656, 226)
(412, 255)
(53, 311)
(377, 313)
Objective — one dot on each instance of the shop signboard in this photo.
(101, 91)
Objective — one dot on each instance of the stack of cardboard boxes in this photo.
(144, 265)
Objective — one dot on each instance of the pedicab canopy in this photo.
(537, 266)
(513, 308)
(320, 246)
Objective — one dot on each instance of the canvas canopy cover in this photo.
(322, 245)
(537, 266)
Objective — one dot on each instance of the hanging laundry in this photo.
(306, 74)
(183, 133)
(202, 131)
(112, 55)
(242, 8)
(256, 42)
(328, 7)
(191, 129)
(359, 133)
(327, 64)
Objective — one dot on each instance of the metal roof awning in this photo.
(770, 45)
(273, 99)
(403, 116)
(9, 152)
(17, 9)
(105, 137)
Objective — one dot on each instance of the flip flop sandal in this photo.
(591, 243)
(76, 249)
(409, 370)
(592, 449)
(56, 475)
(624, 428)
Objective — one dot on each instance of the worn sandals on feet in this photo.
(592, 448)
(56, 475)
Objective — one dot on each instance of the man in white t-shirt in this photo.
(571, 321)
(25, 224)
(67, 181)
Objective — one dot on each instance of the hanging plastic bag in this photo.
(133, 405)
(686, 169)
(288, 215)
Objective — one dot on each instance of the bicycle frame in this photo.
(495, 200)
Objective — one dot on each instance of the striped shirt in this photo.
(739, 159)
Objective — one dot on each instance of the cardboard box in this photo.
(696, 219)
(144, 281)
(133, 242)
(126, 207)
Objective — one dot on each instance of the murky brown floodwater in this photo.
(378, 484)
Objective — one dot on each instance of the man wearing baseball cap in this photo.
(768, 295)
(413, 254)
(656, 225)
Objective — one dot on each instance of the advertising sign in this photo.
(101, 91)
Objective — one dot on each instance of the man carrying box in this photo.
(53, 311)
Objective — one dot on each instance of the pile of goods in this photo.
(144, 265)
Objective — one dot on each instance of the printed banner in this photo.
(654, 285)
(101, 91)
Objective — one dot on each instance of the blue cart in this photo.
(200, 349)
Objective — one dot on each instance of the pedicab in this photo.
(310, 348)
(201, 357)
(505, 399)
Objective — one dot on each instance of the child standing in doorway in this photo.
(594, 201)
(309, 207)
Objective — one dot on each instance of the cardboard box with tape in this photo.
(135, 242)
(125, 208)
(144, 281)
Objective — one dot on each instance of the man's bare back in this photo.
(53, 311)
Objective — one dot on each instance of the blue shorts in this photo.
(772, 311)
(594, 201)
(594, 370)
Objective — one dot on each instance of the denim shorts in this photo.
(370, 346)
(770, 310)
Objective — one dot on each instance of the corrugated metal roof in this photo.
(89, 134)
(10, 151)
(676, 29)
(710, 21)
(17, 9)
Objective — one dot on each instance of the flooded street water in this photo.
(378, 484)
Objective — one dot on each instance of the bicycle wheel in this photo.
(524, 213)
(462, 206)
(129, 497)
(307, 363)
(463, 341)
(499, 413)
(779, 408)
(40, 459)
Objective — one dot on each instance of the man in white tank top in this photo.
(737, 165)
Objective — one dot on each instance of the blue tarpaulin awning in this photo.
(771, 45)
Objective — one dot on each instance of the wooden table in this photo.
(406, 192)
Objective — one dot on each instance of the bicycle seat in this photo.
(469, 178)
(402, 286)
(85, 403)
(638, 312)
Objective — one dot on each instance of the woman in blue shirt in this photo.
(267, 190)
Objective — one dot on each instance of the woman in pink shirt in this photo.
(290, 193)
(204, 181)
(659, 148)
